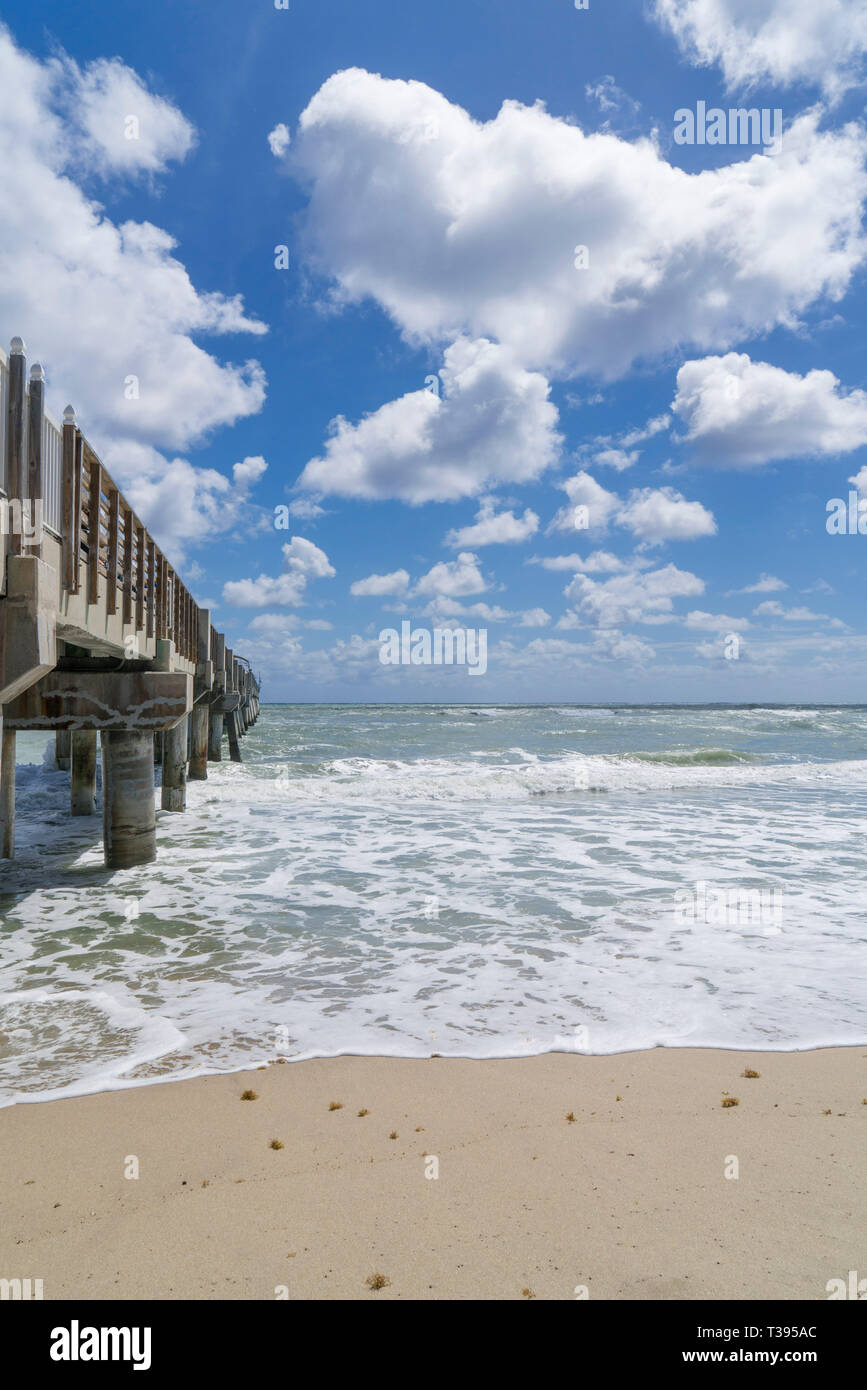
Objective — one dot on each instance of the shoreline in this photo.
(266, 1063)
(628, 1199)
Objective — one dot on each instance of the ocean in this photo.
(469, 881)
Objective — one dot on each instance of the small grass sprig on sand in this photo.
(729, 1101)
(377, 1281)
(528, 1293)
(335, 1105)
(753, 1075)
(362, 1113)
(249, 1095)
(571, 1117)
(275, 1144)
(393, 1134)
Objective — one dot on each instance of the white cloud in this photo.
(772, 609)
(535, 617)
(248, 472)
(741, 413)
(859, 481)
(715, 622)
(109, 309)
(609, 97)
(303, 562)
(453, 578)
(653, 427)
(182, 505)
(493, 423)
(583, 491)
(376, 585)
(616, 458)
(121, 126)
(450, 612)
(631, 598)
(612, 645)
(819, 42)
(765, 584)
(656, 515)
(598, 562)
(275, 624)
(494, 528)
(279, 140)
(306, 509)
(473, 232)
(653, 515)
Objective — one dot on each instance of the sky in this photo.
(387, 312)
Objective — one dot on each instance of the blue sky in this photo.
(698, 386)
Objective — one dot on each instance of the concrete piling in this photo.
(174, 790)
(215, 736)
(7, 794)
(62, 749)
(129, 817)
(82, 794)
(198, 769)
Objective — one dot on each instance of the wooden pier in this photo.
(99, 635)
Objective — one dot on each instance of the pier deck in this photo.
(98, 634)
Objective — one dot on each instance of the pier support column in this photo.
(198, 770)
(129, 818)
(82, 800)
(232, 724)
(174, 797)
(215, 737)
(62, 754)
(7, 793)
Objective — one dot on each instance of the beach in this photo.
(628, 1199)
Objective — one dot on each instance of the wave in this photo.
(698, 757)
(442, 780)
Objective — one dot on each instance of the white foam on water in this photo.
(499, 906)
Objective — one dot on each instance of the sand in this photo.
(630, 1200)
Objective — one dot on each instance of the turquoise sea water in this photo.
(471, 881)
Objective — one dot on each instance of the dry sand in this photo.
(630, 1200)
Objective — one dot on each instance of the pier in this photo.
(98, 635)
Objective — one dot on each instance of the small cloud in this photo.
(494, 528)
(453, 578)
(378, 585)
(306, 509)
(248, 472)
(279, 140)
(765, 584)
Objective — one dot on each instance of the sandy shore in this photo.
(629, 1200)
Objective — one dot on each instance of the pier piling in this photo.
(7, 794)
(129, 817)
(199, 730)
(174, 790)
(82, 791)
(215, 736)
(62, 749)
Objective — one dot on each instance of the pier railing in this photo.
(55, 469)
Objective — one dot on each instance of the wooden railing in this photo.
(100, 534)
